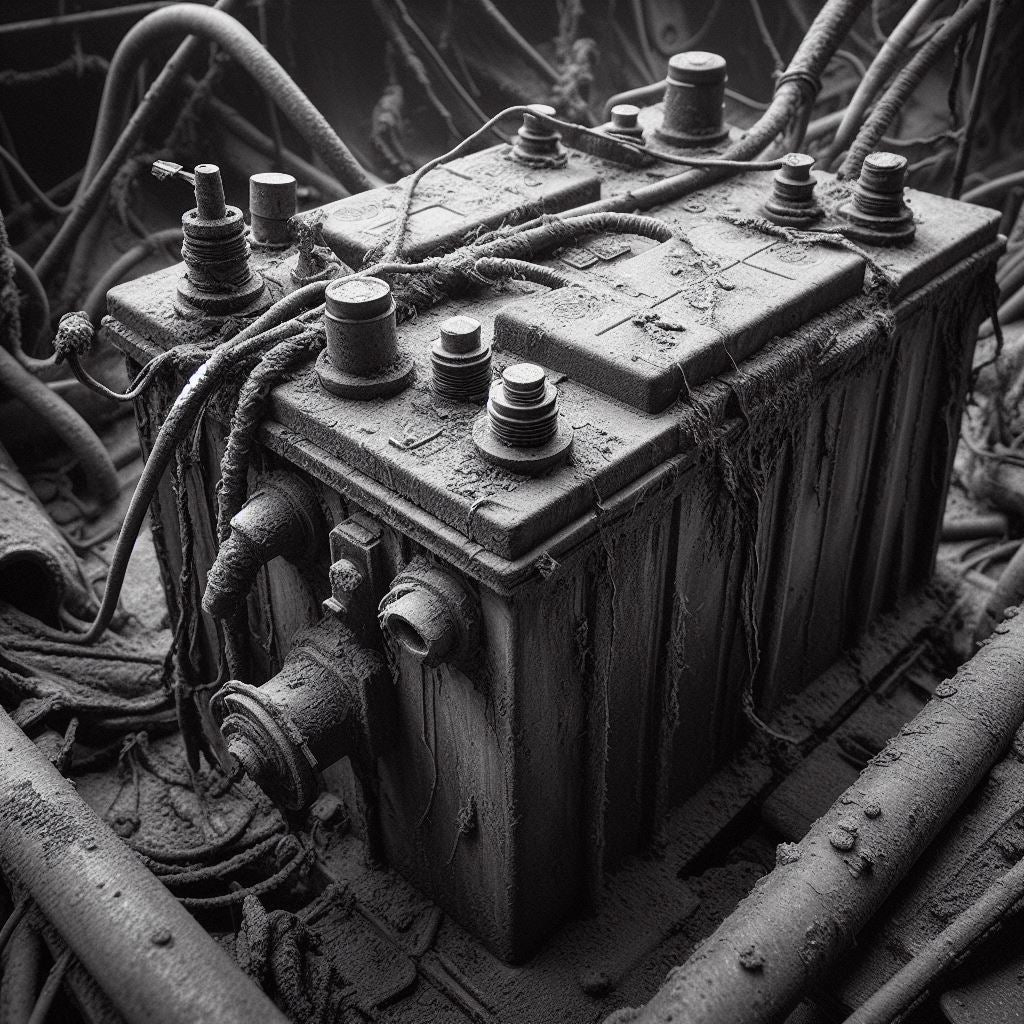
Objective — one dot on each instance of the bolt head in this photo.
(625, 115)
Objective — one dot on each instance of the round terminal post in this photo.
(522, 429)
(272, 203)
(210, 201)
(877, 213)
(361, 359)
(625, 123)
(537, 144)
(694, 104)
(218, 278)
(460, 362)
(792, 202)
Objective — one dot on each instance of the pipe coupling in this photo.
(428, 613)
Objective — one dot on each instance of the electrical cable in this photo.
(610, 144)
(888, 60)
(495, 266)
(116, 94)
(1001, 898)
(27, 281)
(904, 84)
(963, 153)
(214, 26)
(766, 36)
(95, 303)
(992, 191)
(640, 28)
(510, 32)
(89, 451)
(440, 63)
(796, 87)
(38, 195)
(274, 325)
(995, 9)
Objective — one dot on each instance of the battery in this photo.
(762, 427)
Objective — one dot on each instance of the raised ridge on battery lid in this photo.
(453, 202)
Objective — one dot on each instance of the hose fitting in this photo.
(428, 613)
(325, 703)
(281, 518)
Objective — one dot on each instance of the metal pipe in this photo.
(87, 448)
(799, 920)
(155, 963)
(82, 17)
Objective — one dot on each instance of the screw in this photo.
(625, 123)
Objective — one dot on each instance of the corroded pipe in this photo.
(155, 963)
(328, 701)
(789, 932)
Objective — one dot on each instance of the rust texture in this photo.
(150, 956)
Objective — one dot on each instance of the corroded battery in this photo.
(762, 433)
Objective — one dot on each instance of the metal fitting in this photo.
(877, 213)
(283, 518)
(522, 429)
(272, 203)
(460, 362)
(694, 104)
(538, 145)
(792, 202)
(625, 124)
(218, 278)
(325, 703)
(361, 359)
(428, 613)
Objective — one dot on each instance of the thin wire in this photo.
(766, 37)
(640, 25)
(394, 247)
(26, 179)
(51, 986)
(963, 153)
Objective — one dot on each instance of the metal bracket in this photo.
(358, 575)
